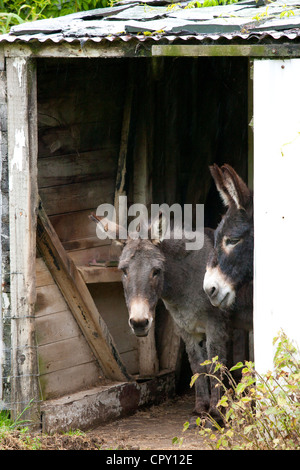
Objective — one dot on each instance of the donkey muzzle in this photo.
(218, 288)
(140, 317)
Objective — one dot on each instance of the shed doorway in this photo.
(160, 123)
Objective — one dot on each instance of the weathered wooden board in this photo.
(97, 406)
(67, 353)
(86, 256)
(23, 198)
(73, 168)
(109, 299)
(77, 232)
(93, 275)
(76, 114)
(55, 327)
(124, 140)
(66, 362)
(142, 193)
(75, 226)
(59, 383)
(77, 196)
(43, 276)
(49, 300)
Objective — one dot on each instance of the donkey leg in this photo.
(197, 354)
(219, 343)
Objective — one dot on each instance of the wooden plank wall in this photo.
(79, 138)
(66, 362)
(79, 141)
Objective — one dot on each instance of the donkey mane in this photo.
(142, 246)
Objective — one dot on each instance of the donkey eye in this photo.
(125, 271)
(156, 272)
(232, 241)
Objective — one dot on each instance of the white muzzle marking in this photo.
(218, 288)
(140, 316)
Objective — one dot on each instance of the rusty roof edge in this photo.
(168, 38)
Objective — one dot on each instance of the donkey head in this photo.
(142, 265)
(230, 265)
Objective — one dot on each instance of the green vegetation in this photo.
(209, 3)
(17, 11)
(16, 435)
(259, 412)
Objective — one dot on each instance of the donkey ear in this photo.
(107, 228)
(238, 190)
(218, 178)
(158, 228)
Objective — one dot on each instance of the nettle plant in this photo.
(261, 412)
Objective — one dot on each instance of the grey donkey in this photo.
(162, 268)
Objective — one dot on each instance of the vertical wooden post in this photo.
(22, 155)
(148, 361)
(4, 245)
(122, 161)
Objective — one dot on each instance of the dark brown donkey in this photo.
(154, 268)
(228, 280)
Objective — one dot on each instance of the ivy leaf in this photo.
(193, 379)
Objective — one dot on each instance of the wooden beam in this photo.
(148, 360)
(22, 155)
(122, 161)
(79, 299)
(228, 50)
(76, 49)
(89, 408)
(94, 274)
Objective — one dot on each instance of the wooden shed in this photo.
(134, 100)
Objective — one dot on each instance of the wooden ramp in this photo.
(79, 299)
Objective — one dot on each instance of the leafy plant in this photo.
(7, 424)
(209, 3)
(261, 412)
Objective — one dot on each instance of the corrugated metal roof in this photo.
(158, 18)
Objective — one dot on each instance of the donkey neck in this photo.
(184, 271)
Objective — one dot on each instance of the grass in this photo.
(16, 435)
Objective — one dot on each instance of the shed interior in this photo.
(171, 118)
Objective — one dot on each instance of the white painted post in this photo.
(276, 205)
(22, 156)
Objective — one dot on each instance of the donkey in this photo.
(228, 281)
(157, 268)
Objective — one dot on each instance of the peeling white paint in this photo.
(1, 351)
(20, 143)
(18, 64)
(5, 301)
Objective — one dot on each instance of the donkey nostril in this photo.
(213, 291)
(139, 323)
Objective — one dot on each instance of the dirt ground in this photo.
(154, 428)
(149, 429)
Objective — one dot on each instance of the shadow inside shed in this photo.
(171, 118)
